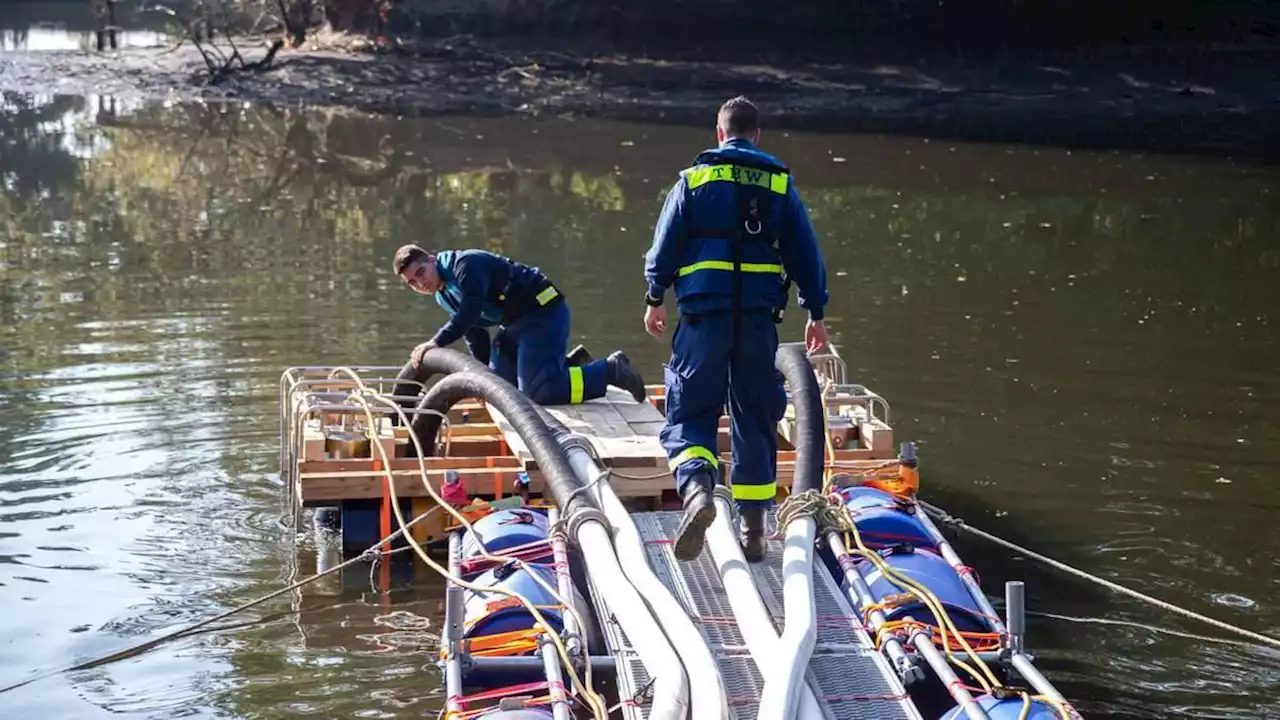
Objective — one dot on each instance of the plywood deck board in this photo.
(605, 423)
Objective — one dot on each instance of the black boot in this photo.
(578, 356)
(621, 375)
(752, 529)
(699, 511)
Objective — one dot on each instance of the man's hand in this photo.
(815, 336)
(655, 320)
(419, 351)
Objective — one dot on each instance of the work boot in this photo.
(621, 375)
(578, 356)
(752, 533)
(699, 511)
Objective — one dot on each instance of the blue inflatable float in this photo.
(489, 613)
(506, 529)
(1007, 709)
(931, 570)
(880, 521)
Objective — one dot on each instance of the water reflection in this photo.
(1084, 345)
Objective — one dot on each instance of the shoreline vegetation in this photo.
(1209, 88)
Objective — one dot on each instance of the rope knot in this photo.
(810, 503)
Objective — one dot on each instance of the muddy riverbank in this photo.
(1224, 102)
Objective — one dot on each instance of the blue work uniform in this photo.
(482, 290)
(732, 237)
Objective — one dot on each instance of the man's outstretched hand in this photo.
(418, 352)
(815, 336)
(655, 320)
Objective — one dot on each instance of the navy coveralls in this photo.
(482, 289)
(730, 227)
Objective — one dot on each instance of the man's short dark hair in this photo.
(739, 116)
(406, 256)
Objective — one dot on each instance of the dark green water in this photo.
(1085, 346)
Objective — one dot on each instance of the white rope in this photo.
(948, 519)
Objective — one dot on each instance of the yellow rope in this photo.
(843, 520)
(596, 703)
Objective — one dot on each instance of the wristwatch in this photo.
(652, 302)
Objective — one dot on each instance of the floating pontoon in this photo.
(554, 529)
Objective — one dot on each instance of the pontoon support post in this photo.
(564, 585)
(1015, 614)
(551, 663)
(452, 639)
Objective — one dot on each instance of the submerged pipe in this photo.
(800, 632)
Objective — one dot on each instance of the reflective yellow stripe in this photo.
(545, 296)
(575, 385)
(726, 265)
(755, 492)
(699, 176)
(697, 451)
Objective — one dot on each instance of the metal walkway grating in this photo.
(850, 679)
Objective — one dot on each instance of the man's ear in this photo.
(719, 134)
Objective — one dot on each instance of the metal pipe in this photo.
(564, 584)
(923, 642)
(451, 639)
(603, 664)
(555, 682)
(1015, 612)
(949, 554)
(1028, 671)
(860, 595)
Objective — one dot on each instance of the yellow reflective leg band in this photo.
(755, 492)
(575, 385)
(697, 451)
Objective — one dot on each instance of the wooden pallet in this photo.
(490, 456)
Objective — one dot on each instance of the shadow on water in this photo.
(1083, 344)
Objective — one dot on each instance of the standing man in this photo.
(732, 236)
(479, 290)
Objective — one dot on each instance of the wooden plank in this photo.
(431, 463)
(368, 486)
(601, 422)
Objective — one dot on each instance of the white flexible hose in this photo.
(783, 684)
(707, 694)
(670, 684)
(748, 609)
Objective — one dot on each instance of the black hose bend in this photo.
(523, 414)
(806, 396)
(437, 361)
